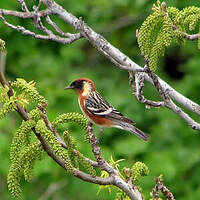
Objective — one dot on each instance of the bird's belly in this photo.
(101, 121)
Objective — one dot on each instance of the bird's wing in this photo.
(95, 104)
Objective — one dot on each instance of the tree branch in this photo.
(128, 188)
(165, 191)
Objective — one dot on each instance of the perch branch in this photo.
(132, 192)
(165, 191)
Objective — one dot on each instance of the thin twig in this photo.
(3, 61)
(97, 152)
(23, 5)
(168, 103)
(24, 15)
(137, 90)
(58, 30)
(165, 191)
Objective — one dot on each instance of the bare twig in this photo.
(3, 61)
(165, 191)
(137, 90)
(192, 36)
(97, 152)
(58, 30)
(23, 5)
(24, 15)
(168, 103)
(38, 36)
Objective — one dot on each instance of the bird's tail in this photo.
(132, 129)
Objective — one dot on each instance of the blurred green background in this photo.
(173, 149)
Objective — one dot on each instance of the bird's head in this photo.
(82, 86)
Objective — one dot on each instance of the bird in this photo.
(99, 111)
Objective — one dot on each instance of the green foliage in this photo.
(188, 18)
(71, 148)
(163, 26)
(77, 118)
(85, 163)
(55, 145)
(29, 91)
(155, 34)
(23, 153)
(76, 156)
(21, 138)
(24, 161)
(139, 170)
(8, 103)
(104, 174)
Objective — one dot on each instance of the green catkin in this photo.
(24, 161)
(85, 163)
(35, 114)
(7, 107)
(139, 169)
(36, 152)
(55, 145)
(182, 17)
(4, 94)
(21, 138)
(162, 26)
(77, 118)
(155, 35)
(71, 147)
(29, 90)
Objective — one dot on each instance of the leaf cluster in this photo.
(164, 25)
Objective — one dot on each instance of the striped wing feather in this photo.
(96, 105)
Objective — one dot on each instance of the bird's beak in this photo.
(69, 87)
